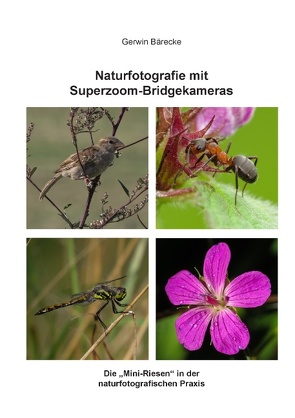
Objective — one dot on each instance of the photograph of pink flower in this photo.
(214, 302)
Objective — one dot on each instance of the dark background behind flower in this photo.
(173, 255)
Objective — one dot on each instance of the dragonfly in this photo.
(101, 291)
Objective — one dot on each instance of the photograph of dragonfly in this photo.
(102, 291)
(100, 331)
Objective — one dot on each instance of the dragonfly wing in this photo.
(83, 298)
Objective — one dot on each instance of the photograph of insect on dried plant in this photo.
(87, 299)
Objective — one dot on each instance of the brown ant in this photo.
(243, 167)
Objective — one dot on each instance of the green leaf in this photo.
(214, 204)
(168, 347)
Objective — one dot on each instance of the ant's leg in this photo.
(178, 174)
(244, 189)
(198, 160)
(184, 169)
(206, 163)
(228, 147)
(254, 158)
(237, 184)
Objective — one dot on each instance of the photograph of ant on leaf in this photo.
(217, 167)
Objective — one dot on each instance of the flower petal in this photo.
(185, 289)
(215, 267)
(248, 290)
(229, 334)
(191, 327)
(227, 119)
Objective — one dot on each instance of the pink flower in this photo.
(226, 119)
(213, 302)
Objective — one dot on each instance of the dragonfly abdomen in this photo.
(101, 291)
(74, 301)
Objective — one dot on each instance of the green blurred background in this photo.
(246, 255)
(258, 138)
(59, 268)
(51, 144)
